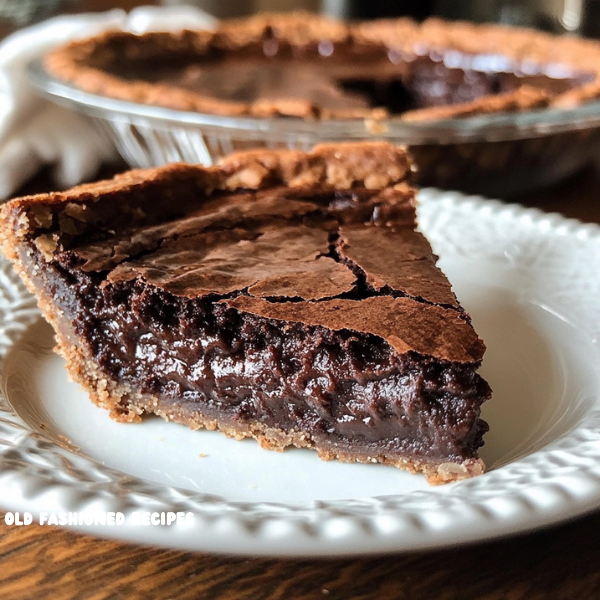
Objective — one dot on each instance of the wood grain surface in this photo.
(562, 562)
(558, 563)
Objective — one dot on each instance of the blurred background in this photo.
(579, 17)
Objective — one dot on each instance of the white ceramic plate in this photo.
(532, 284)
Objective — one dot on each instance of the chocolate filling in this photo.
(341, 387)
(346, 76)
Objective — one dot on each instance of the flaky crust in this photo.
(84, 62)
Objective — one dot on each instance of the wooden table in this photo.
(556, 563)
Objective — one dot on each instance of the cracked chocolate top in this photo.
(326, 238)
(307, 66)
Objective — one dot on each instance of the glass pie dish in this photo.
(499, 154)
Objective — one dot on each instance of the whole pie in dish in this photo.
(282, 296)
(307, 66)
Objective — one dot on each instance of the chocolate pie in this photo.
(307, 66)
(282, 296)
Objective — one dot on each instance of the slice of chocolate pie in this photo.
(283, 296)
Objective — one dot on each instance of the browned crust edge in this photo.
(71, 62)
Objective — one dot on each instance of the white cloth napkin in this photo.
(33, 131)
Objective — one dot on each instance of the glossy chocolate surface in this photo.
(345, 77)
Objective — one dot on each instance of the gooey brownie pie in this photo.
(308, 66)
(282, 295)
